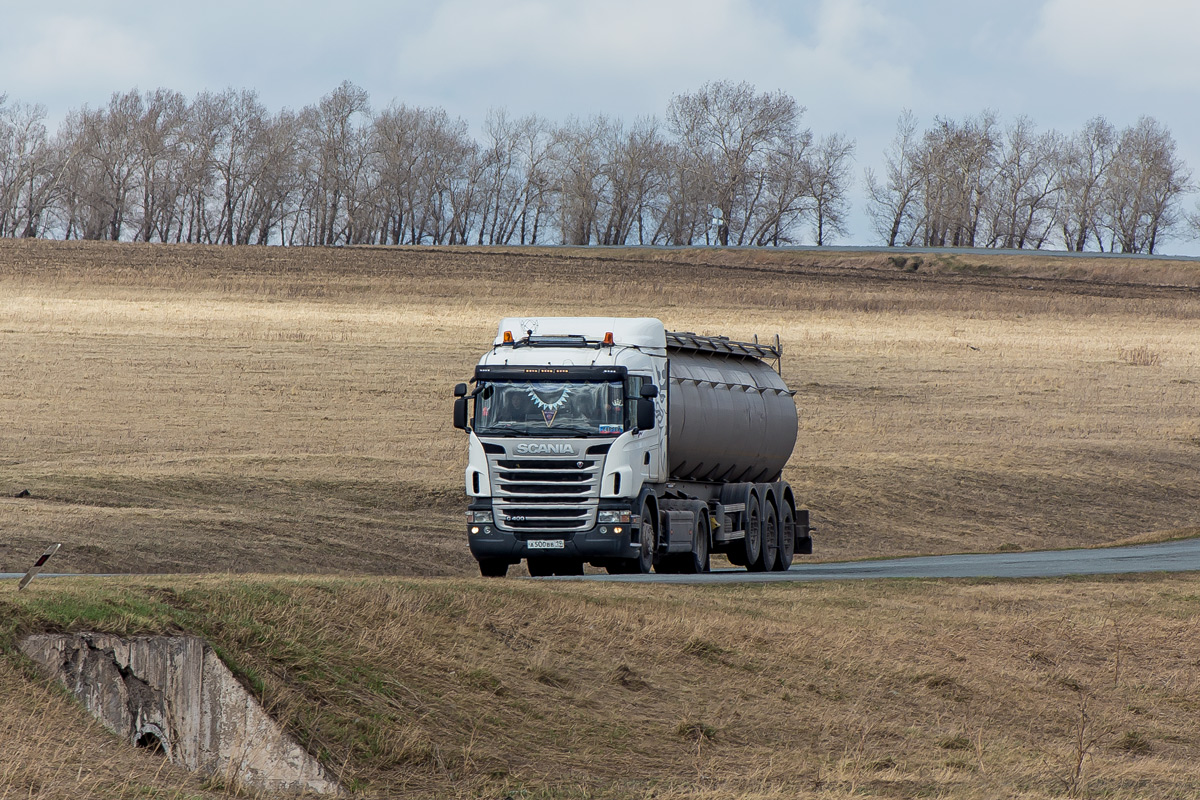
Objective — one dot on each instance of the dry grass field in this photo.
(180, 409)
(438, 688)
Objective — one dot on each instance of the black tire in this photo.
(540, 567)
(493, 567)
(770, 541)
(644, 562)
(751, 549)
(787, 537)
(697, 561)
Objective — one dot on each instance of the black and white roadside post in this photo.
(36, 568)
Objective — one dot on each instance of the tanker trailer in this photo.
(618, 443)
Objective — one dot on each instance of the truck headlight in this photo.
(480, 516)
(611, 516)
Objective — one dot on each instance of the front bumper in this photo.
(599, 542)
(608, 540)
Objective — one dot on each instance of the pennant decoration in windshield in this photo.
(549, 410)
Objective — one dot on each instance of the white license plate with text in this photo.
(545, 544)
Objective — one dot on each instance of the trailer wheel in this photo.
(493, 567)
(769, 548)
(787, 537)
(752, 544)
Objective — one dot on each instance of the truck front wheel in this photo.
(647, 541)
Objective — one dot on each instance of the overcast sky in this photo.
(854, 64)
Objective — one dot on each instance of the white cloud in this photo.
(59, 51)
(1149, 44)
(629, 56)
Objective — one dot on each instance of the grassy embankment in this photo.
(473, 688)
(261, 410)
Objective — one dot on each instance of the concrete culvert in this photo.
(174, 696)
(150, 738)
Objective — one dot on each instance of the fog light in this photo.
(603, 529)
(474, 529)
(618, 529)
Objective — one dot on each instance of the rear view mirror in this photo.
(645, 413)
(649, 391)
(460, 390)
(460, 412)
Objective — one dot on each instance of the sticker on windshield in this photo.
(610, 430)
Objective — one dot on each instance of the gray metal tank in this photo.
(731, 417)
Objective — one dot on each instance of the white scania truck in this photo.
(617, 443)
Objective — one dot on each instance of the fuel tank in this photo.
(731, 418)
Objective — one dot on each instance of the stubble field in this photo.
(247, 410)
(183, 409)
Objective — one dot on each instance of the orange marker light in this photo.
(508, 339)
(608, 338)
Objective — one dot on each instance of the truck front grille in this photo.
(546, 495)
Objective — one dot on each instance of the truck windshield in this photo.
(554, 408)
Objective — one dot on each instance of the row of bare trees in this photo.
(976, 183)
(727, 165)
(730, 165)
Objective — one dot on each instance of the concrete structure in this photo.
(173, 693)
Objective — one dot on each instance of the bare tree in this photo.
(958, 166)
(634, 173)
(156, 145)
(27, 161)
(107, 168)
(728, 131)
(893, 203)
(582, 178)
(335, 147)
(1144, 186)
(1028, 184)
(828, 183)
(1084, 165)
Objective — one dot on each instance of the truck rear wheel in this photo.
(493, 567)
(769, 548)
(787, 537)
(751, 550)
(697, 561)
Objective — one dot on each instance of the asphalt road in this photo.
(1181, 556)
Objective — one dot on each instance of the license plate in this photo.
(545, 544)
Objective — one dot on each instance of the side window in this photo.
(633, 390)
